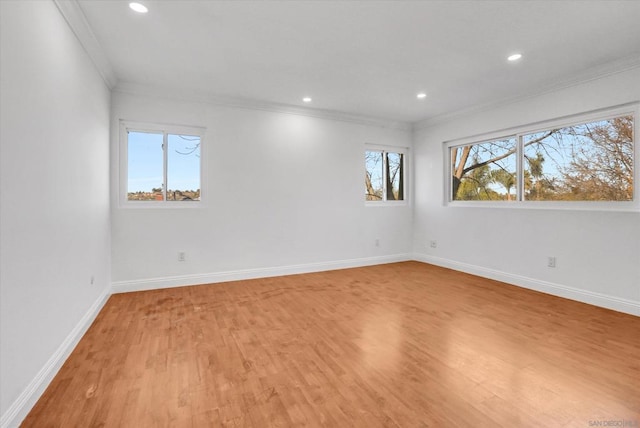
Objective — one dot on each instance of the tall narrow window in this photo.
(183, 167)
(162, 165)
(384, 175)
(373, 180)
(145, 167)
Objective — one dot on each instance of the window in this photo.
(160, 165)
(484, 171)
(588, 158)
(384, 175)
(584, 162)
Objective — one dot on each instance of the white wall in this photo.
(598, 253)
(284, 194)
(54, 209)
(281, 190)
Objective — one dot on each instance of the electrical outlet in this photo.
(181, 256)
(551, 262)
(92, 279)
(433, 244)
(377, 242)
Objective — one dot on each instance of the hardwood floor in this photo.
(405, 344)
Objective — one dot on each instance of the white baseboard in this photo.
(597, 299)
(20, 408)
(16, 413)
(209, 278)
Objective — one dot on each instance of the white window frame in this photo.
(632, 109)
(166, 129)
(390, 149)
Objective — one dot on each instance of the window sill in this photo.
(157, 205)
(385, 203)
(548, 205)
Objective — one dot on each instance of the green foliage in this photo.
(585, 162)
(475, 186)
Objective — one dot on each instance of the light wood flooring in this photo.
(405, 344)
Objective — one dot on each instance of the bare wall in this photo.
(54, 209)
(280, 190)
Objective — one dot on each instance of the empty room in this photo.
(319, 213)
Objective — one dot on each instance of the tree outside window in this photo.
(384, 176)
(590, 161)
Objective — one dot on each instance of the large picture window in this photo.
(584, 162)
(161, 164)
(384, 175)
(589, 160)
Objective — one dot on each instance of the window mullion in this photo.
(165, 149)
(520, 168)
(384, 175)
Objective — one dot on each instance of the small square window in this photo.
(163, 165)
(384, 175)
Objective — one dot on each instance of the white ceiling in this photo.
(366, 58)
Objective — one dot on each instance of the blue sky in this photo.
(145, 162)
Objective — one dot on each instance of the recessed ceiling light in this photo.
(140, 8)
(307, 99)
(514, 57)
(421, 95)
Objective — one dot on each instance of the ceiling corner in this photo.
(72, 13)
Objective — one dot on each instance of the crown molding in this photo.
(73, 14)
(77, 21)
(590, 74)
(252, 104)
